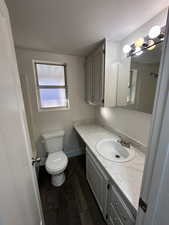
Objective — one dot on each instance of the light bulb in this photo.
(154, 31)
(139, 53)
(151, 48)
(126, 49)
(139, 42)
(137, 49)
(152, 45)
(151, 42)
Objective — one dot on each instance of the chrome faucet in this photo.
(124, 142)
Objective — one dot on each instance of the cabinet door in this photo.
(111, 78)
(98, 75)
(123, 82)
(98, 182)
(119, 212)
(95, 72)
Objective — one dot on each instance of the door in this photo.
(98, 182)
(155, 185)
(19, 196)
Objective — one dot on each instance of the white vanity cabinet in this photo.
(115, 208)
(101, 72)
(98, 182)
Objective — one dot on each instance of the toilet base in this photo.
(58, 180)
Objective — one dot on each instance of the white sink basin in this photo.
(112, 150)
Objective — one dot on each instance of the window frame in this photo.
(37, 86)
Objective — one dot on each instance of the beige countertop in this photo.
(127, 175)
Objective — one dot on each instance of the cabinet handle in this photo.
(117, 208)
(130, 79)
(124, 218)
(115, 221)
(116, 205)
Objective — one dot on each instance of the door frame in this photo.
(154, 165)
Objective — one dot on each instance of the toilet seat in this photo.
(56, 162)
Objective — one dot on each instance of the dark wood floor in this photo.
(72, 203)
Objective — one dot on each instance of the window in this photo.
(51, 85)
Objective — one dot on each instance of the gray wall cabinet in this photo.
(101, 72)
(114, 207)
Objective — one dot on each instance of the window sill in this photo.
(53, 109)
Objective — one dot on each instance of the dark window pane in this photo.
(52, 97)
(50, 74)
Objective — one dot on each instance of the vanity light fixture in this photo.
(154, 32)
(126, 49)
(155, 36)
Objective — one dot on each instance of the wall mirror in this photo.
(138, 75)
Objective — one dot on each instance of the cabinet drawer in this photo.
(121, 208)
(113, 217)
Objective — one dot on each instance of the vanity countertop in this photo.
(127, 175)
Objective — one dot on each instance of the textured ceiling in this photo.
(74, 26)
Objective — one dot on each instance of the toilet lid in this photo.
(56, 161)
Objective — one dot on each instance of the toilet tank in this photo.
(53, 141)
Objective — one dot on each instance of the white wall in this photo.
(134, 124)
(40, 122)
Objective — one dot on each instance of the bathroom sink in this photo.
(112, 150)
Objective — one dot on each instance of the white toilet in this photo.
(57, 160)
